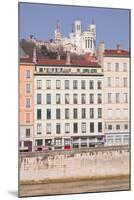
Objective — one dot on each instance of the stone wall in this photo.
(77, 164)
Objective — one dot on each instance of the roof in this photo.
(116, 52)
(26, 60)
(62, 62)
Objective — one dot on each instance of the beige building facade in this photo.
(116, 66)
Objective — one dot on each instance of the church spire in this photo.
(58, 25)
(58, 35)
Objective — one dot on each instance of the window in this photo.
(58, 128)
(58, 99)
(28, 102)
(109, 82)
(109, 96)
(66, 98)
(75, 98)
(91, 113)
(118, 139)
(99, 85)
(39, 142)
(75, 113)
(109, 127)
(126, 113)
(27, 117)
(66, 84)
(39, 84)
(67, 127)
(109, 113)
(125, 98)
(57, 113)
(99, 112)
(91, 98)
(48, 84)
(27, 73)
(66, 113)
(58, 142)
(48, 100)
(125, 67)
(117, 126)
(117, 81)
(117, 97)
(126, 139)
(83, 113)
(99, 127)
(117, 113)
(67, 141)
(125, 126)
(48, 128)
(110, 139)
(28, 88)
(83, 127)
(83, 84)
(116, 67)
(83, 98)
(91, 127)
(91, 85)
(58, 84)
(38, 113)
(38, 98)
(75, 127)
(48, 113)
(50, 69)
(99, 98)
(125, 82)
(40, 69)
(27, 132)
(109, 67)
(75, 84)
(39, 128)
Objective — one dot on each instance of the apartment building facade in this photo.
(116, 66)
(26, 104)
(68, 109)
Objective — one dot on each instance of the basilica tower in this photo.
(58, 35)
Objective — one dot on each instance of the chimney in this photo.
(101, 51)
(34, 55)
(88, 57)
(58, 56)
(68, 58)
(119, 46)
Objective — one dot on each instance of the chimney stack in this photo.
(101, 51)
(119, 46)
(68, 58)
(58, 56)
(88, 57)
(34, 55)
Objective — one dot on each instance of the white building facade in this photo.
(68, 111)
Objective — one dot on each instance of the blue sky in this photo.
(40, 20)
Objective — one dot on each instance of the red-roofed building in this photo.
(68, 104)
